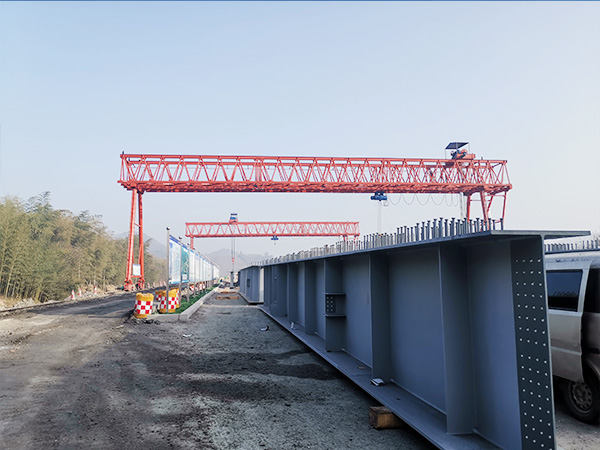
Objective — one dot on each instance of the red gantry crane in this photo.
(486, 179)
(269, 229)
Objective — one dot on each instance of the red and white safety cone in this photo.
(72, 294)
(80, 294)
(95, 290)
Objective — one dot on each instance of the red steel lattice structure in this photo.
(269, 229)
(203, 173)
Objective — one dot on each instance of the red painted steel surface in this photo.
(267, 229)
(128, 284)
(202, 173)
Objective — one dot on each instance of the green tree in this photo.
(45, 253)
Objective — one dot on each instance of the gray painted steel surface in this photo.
(456, 327)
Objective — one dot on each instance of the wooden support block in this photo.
(382, 418)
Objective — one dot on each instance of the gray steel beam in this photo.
(455, 327)
(292, 292)
(379, 297)
(458, 340)
(532, 338)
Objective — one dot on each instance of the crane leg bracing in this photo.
(202, 173)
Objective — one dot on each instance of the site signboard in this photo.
(185, 264)
(175, 261)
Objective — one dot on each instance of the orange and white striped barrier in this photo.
(168, 306)
(143, 305)
(160, 298)
(172, 304)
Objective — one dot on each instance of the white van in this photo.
(573, 284)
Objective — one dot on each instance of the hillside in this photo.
(223, 259)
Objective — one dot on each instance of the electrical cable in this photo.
(451, 200)
(413, 200)
(434, 202)
(426, 201)
(398, 202)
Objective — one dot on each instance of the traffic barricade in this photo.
(169, 305)
(143, 305)
(174, 300)
(162, 303)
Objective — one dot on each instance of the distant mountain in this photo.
(223, 259)
(155, 248)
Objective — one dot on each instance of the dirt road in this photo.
(84, 377)
(81, 377)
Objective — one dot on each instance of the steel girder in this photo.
(456, 327)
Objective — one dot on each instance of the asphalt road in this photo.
(84, 376)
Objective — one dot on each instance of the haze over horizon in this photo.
(82, 82)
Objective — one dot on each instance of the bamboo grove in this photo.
(45, 253)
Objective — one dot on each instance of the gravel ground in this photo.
(84, 376)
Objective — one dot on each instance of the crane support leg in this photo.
(468, 207)
(128, 285)
(503, 210)
(484, 207)
(141, 241)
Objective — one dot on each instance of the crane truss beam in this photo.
(202, 173)
(268, 229)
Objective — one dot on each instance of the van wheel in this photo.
(583, 399)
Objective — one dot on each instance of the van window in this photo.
(563, 289)
(592, 292)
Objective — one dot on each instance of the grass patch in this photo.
(193, 299)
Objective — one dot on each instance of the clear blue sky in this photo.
(82, 82)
